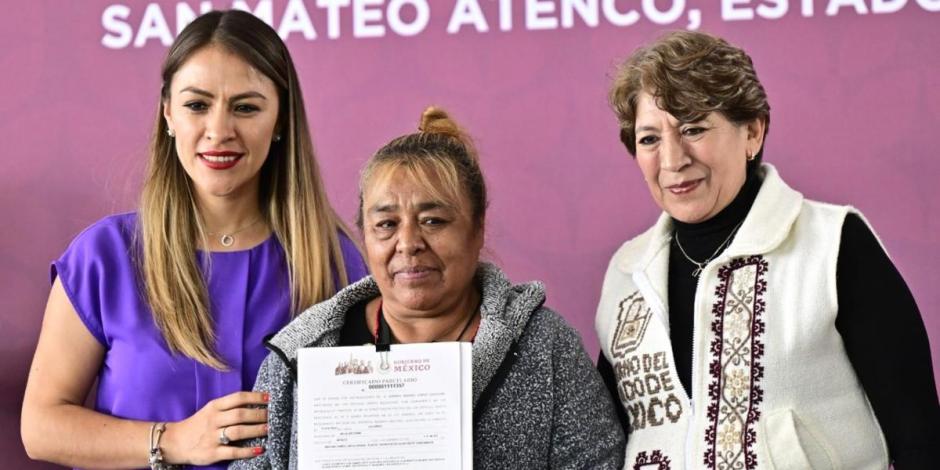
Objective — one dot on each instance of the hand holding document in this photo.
(407, 408)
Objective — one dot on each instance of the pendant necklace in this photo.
(228, 239)
(700, 266)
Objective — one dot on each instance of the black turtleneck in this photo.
(880, 325)
(700, 241)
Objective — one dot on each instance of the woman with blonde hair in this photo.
(168, 307)
(538, 403)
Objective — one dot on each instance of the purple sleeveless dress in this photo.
(139, 378)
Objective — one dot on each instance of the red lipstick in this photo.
(220, 159)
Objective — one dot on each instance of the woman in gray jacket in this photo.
(537, 400)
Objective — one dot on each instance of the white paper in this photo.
(409, 408)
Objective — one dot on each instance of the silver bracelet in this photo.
(156, 454)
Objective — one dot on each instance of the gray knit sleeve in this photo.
(275, 378)
(586, 433)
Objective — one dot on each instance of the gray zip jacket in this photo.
(538, 402)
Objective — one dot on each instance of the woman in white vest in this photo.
(750, 327)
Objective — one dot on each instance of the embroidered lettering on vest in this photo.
(655, 461)
(734, 393)
(644, 380)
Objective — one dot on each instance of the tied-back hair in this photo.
(689, 75)
(440, 156)
(291, 195)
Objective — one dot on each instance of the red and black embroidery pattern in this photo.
(656, 461)
(735, 393)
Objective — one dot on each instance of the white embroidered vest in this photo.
(772, 387)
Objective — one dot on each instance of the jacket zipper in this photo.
(690, 431)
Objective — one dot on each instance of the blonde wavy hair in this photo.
(292, 198)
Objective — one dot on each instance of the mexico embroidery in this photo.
(632, 320)
(734, 393)
(656, 461)
(645, 380)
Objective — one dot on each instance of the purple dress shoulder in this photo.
(139, 378)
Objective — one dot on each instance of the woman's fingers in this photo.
(198, 439)
(241, 416)
(246, 431)
(239, 400)
(236, 453)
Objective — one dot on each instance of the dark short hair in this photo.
(689, 74)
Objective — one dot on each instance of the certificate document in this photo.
(407, 408)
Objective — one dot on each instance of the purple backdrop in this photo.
(854, 89)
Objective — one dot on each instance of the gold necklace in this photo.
(228, 239)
